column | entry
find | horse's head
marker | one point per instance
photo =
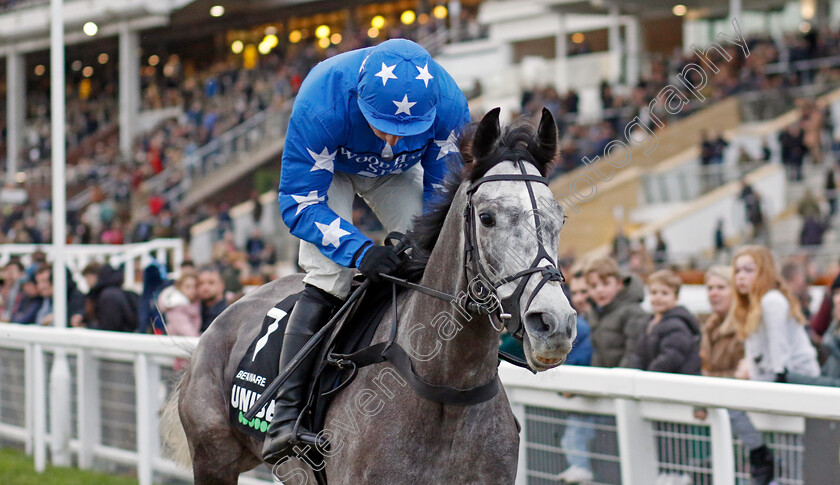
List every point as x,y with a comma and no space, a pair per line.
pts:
514,226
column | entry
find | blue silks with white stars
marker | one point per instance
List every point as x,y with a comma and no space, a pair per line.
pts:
328,132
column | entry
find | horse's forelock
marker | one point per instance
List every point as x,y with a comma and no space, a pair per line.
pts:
518,141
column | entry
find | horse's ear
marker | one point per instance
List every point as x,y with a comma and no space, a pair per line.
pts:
487,134
547,136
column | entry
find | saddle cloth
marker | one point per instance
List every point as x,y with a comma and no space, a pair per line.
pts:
260,364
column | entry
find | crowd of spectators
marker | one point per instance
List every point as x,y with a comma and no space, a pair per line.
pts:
759,328
737,75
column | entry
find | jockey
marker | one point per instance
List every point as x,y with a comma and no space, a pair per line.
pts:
379,122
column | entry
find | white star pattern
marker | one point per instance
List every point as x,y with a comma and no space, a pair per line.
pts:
424,74
386,73
404,106
438,187
332,232
450,145
323,161
305,201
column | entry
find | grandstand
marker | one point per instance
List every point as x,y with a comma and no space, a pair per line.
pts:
725,115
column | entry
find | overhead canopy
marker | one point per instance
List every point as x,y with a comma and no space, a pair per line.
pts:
658,8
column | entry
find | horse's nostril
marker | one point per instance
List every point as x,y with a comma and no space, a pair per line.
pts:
538,323
569,330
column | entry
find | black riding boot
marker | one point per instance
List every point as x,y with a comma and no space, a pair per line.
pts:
761,465
311,312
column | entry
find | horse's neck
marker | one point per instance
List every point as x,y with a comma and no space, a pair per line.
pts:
467,345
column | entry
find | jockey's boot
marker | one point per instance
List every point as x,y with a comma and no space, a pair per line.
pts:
311,312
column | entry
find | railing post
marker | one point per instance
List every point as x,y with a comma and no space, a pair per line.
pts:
29,398
636,445
177,255
146,378
59,414
89,418
723,460
39,410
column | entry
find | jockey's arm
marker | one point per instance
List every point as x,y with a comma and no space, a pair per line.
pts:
453,115
306,175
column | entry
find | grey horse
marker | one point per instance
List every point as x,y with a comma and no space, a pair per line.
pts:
380,431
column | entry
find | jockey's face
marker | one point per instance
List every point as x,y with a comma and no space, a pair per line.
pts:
389,139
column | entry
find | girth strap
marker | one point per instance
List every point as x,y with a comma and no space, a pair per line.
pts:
401,361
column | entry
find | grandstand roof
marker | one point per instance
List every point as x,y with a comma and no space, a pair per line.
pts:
705,8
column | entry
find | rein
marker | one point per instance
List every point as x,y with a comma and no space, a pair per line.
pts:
507,308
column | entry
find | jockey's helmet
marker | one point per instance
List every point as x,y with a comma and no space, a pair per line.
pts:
397,88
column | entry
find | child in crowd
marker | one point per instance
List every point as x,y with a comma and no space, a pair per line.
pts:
670,341
579,428
616,317
181,307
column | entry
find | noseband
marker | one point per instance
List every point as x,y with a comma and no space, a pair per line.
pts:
509,307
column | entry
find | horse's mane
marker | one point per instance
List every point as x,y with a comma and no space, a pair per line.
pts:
518,141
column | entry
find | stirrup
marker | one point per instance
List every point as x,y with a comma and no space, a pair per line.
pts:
307,437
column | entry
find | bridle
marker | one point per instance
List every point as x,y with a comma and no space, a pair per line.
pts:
474,300
509,307
506,309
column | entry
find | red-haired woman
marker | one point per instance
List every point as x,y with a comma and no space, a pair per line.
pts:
767,317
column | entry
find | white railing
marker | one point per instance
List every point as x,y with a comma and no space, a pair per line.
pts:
645,426
133,257
642,421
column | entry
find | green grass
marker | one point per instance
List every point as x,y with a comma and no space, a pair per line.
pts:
18,469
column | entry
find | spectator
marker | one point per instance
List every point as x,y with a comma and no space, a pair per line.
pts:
831,192
671,340
112,306
720,352
579,428
211,292
720,240
181,307
154,280
10,292
822,320
720,349
831,342
808,206
769,320
793,151
793,274
30,303
616,318
660,253
75,300
812,232
621,246
254,248
91,273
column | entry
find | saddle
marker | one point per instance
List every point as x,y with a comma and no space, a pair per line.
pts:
260,364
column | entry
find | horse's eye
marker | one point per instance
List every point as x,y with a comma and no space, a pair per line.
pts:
487,219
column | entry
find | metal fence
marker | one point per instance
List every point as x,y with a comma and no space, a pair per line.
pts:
133,258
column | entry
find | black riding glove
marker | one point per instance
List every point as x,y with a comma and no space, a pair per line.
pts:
379,259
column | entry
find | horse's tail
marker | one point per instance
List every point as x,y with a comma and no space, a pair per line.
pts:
170,428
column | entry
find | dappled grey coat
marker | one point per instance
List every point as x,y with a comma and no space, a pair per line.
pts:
672,345
616,326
